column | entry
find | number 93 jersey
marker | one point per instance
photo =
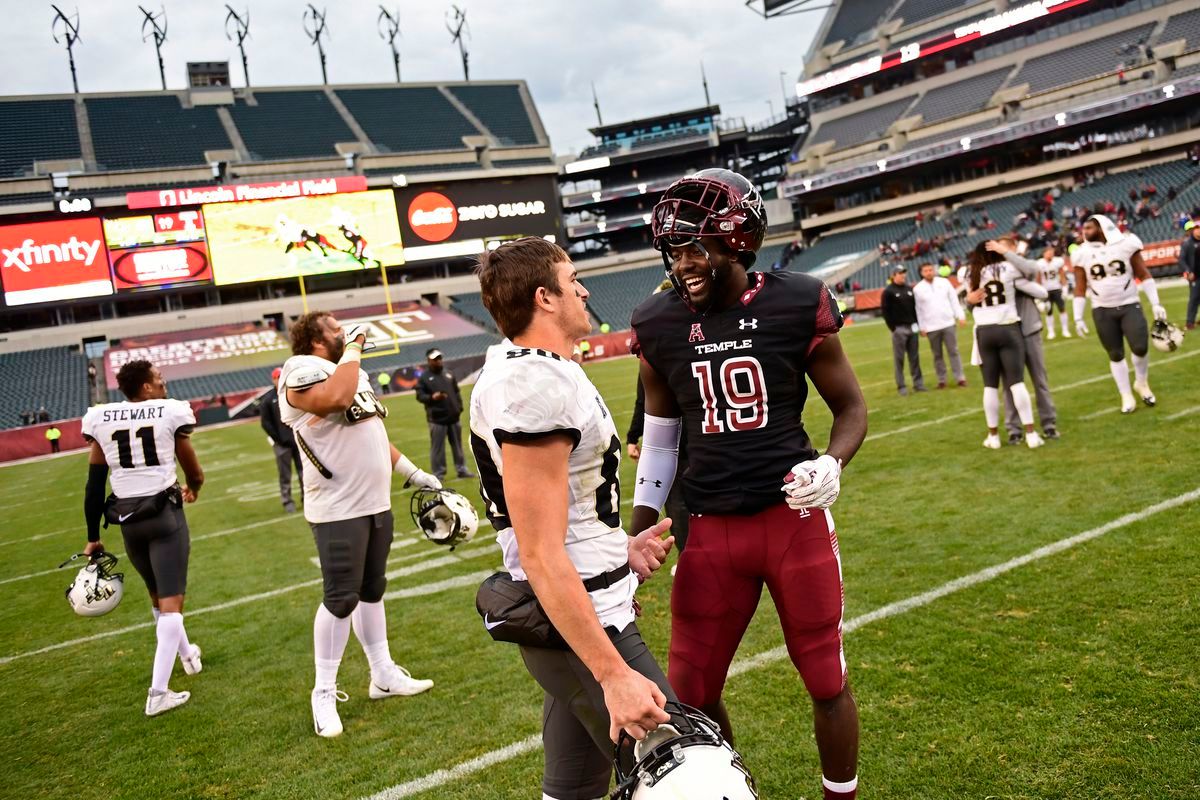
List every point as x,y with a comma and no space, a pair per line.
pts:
1109,270
138,440
738,376
999,305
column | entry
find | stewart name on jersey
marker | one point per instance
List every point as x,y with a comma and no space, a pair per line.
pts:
138,440
738,376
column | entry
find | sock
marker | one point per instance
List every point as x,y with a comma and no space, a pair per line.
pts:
330,635
169,627
991,407
155,612
840,791
1021,402
1120,373
1064,324
370,627
1141,367
185,647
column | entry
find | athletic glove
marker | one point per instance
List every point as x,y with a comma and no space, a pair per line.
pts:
1160,313
813,484
356,329
1081,327
414,475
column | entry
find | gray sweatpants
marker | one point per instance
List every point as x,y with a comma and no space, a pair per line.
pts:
948,338
578,751
437,448
284,458
1035,362
905,341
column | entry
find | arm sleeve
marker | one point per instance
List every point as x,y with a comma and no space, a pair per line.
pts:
656,467
1026,286
952,299
93,499
1027,268
637,422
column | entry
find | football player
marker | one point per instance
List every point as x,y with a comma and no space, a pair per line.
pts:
548,457
1054,278
327,399
1107,263
140,439
726,355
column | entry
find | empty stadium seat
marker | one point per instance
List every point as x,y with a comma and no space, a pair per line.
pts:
861,127
912,11
960,97
36,130
614,296
152,131
854,18
1077,63
54,377
290,125
500,109
471,307
1183,26
408,118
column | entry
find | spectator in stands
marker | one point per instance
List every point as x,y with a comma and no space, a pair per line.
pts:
899,309
938,311
28,417
1189,259
53,434
43,415
283,442
91,376
437,390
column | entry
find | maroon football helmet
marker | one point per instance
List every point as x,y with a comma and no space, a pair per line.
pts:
712,203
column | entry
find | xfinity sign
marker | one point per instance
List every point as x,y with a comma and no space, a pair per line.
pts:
30,253
43,262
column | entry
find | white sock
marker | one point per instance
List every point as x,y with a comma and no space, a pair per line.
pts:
840,788
1021,402
169,629
155,612
330,635
1064,324
1120,373
1141,367
991,407
370,626
185,647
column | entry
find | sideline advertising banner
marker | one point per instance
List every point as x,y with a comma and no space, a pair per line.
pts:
157,251
204,351
42,262
243,192
463,218
278,239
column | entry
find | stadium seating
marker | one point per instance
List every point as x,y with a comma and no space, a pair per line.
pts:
500,109
290,125
1183,26
861,127
36,130
471,307
1079,62
960,97
861,240
142,132
614,296
856,18
54,377
912,11
387,115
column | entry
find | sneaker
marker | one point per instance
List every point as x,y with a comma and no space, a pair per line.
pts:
1015,438
162,702
963,382
1050,334
992,442
191,664
1050,433
920,389
903,391
1143,389
1033,440
941,385
467,474
1066,334
397,682
289,508
1128,404
326,721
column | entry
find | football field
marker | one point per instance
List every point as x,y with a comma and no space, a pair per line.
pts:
1019,624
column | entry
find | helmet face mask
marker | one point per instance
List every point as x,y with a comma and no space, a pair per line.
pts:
96,589
711,204
444,516
1165,336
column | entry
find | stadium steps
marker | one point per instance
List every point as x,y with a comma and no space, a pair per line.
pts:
54,377
151,131
387,116
36,130
286,125
501,109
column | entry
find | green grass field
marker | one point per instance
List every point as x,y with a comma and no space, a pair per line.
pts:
1069,674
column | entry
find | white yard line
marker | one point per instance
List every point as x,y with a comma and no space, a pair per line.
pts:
1103,412
442,777
1183,413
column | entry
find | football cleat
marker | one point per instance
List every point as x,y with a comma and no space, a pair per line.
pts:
96,589
397,682
162,702
191,664
326,721
992,442
1165,336
1033,440
1050,334
1143,389
1128,404
444,516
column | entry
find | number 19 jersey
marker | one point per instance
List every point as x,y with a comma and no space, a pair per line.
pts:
138,440
738,376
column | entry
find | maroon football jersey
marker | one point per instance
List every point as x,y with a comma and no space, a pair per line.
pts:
739,377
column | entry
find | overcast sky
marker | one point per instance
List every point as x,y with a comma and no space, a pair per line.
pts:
644,55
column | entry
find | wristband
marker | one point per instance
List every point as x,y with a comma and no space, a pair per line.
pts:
1151,290
404,466
1078,304
353,353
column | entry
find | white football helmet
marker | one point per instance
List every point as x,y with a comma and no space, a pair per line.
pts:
444,516
684,759
1165,336
96,590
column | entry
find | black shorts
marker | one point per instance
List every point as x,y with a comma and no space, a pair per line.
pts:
1002,350
1115,326
578,752
158,548
353,555
1056,299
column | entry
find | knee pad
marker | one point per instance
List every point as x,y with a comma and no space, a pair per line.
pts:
341,605
372,590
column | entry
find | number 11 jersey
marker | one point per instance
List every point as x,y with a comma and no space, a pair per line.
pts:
738,376
138,440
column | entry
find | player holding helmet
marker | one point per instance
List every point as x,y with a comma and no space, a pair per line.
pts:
726,355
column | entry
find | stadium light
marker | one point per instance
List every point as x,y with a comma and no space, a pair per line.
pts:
399,181
1169,90
882,164
965,142
1061,118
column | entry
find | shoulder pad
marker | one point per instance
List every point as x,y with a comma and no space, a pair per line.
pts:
305,377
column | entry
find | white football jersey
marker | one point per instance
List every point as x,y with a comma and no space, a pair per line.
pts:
347,457
1109,270
138,440
999,305
1049,270
522,394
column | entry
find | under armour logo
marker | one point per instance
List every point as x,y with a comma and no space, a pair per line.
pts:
696,335
751,324
657,484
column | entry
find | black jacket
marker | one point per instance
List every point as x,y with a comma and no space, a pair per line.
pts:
899,306
1189,254
268,417
447,410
